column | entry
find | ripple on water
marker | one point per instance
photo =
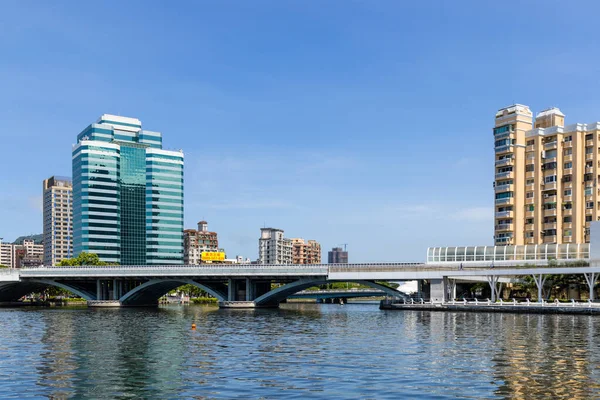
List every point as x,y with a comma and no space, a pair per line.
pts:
321,351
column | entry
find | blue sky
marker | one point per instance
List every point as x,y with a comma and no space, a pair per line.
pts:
358,122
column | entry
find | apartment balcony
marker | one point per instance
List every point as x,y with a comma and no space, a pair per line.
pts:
567,211
529,200
505,161
504,135
550,145
589,211
504,188
507,200
529,227
530,240
567,198
503,214
503,240
589,197
549,186
549,239
503,149
549,199
568,157
589,170
568,171
568,144
550,225
589,143
529,214
530,147
550,213
567,225
567,185
589,156
567,239
530,174
504,175
504,227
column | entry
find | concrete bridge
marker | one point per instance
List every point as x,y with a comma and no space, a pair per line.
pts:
268,285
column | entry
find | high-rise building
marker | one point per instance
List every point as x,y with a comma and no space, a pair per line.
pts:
273,248
337,256
127,194
58,219
546,177
306,252
197,241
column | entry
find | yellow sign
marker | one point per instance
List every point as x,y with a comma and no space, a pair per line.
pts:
213,256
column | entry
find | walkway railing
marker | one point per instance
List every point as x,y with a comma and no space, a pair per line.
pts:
573,303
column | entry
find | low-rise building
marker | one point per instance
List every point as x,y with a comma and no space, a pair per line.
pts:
26,254
306,252
6,254
195,242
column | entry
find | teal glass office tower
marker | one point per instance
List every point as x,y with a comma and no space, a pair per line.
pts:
127,194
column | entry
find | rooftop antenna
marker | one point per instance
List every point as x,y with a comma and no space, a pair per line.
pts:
345,246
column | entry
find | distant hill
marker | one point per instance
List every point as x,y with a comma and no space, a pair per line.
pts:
38,239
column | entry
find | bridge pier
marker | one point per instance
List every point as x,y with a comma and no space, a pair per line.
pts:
241,293
590,278
540,280
495,286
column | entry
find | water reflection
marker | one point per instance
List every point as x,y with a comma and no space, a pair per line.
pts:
322,351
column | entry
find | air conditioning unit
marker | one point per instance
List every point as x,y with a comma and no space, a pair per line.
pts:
543,154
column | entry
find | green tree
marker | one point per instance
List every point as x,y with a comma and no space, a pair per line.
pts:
3,266
82,259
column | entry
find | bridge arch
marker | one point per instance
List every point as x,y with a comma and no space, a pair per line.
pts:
281,293
149,292
14,291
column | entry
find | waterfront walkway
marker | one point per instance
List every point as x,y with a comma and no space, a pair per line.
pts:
512,306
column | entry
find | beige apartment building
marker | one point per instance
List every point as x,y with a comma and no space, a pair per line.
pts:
58,219
306,252
546,177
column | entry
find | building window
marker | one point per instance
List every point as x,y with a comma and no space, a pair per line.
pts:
568,138
567,232
528,234
589,150
568,151
530,142
568,205
589,204
568,165
529,195
529,168
550,179
530,181
588,191
567,219
568,192
588,218
567,178
529,221
589,136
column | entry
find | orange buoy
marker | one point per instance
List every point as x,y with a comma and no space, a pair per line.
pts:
194,327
